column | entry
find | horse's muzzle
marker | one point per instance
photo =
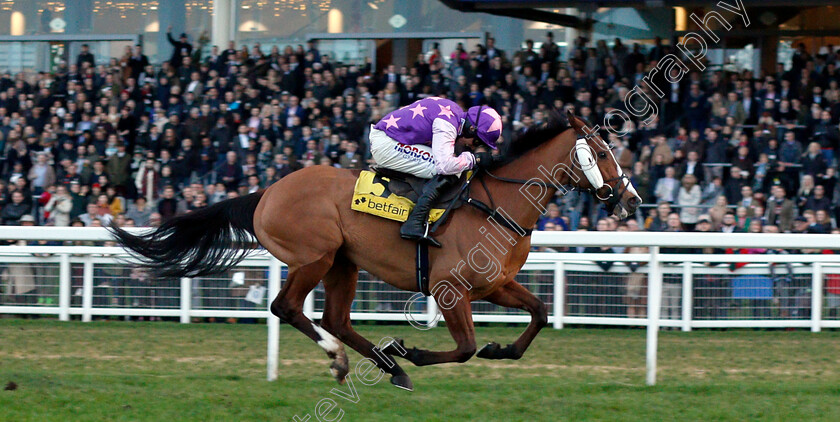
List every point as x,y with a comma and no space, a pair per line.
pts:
626,208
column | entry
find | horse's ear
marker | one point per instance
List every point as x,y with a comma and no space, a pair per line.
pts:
573,121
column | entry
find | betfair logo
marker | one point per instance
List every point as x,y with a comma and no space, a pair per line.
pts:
385,207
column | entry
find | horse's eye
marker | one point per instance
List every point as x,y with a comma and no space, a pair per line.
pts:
602,154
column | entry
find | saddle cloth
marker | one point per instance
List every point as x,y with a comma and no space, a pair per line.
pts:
391,194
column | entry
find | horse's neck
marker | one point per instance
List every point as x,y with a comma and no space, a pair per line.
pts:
535,164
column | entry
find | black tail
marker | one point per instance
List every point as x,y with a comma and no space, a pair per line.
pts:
207,241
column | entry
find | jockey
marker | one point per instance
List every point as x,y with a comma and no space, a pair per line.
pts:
420,139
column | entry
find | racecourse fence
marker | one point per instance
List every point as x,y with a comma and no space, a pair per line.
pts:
649,289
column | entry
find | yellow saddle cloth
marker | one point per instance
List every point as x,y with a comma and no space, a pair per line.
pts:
372,196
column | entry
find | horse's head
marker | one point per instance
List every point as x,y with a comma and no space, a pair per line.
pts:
602,175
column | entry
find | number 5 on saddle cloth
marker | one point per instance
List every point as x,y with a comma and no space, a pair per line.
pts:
390,194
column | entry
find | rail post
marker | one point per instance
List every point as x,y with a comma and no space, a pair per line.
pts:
559,294
64,287
654,308
431,312
687,296
186,299
87,289
273,322
816,297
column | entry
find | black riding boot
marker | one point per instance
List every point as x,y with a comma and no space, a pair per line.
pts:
415,227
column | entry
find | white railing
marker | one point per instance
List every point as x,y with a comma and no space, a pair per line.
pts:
91,281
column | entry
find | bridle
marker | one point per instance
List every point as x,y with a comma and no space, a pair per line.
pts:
617,185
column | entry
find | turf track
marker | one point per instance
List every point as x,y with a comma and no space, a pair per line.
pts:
162,371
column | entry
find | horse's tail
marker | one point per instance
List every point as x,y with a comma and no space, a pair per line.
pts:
206,241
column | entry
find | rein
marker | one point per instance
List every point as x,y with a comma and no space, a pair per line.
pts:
490,210
610,200
622,182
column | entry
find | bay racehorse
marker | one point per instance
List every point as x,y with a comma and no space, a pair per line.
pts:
305,221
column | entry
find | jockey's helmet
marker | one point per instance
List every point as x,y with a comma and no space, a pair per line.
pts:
485,124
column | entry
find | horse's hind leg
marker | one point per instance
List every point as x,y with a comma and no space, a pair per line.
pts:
460,324
340,289
514,295
288,306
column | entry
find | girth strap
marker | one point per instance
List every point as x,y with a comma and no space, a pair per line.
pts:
422,261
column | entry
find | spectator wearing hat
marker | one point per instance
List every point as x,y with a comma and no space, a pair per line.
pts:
181,49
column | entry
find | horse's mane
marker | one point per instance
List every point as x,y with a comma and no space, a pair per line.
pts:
533,137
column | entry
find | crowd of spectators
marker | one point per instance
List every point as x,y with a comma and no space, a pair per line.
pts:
137,143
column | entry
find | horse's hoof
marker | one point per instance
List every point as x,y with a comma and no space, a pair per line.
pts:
402,381
395,347
490,351
494,351
340,367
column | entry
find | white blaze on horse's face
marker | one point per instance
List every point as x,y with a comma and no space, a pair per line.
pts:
588,164
593,174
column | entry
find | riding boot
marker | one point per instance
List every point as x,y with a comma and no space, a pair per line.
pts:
414,227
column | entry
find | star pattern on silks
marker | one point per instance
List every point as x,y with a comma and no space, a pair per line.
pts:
445,111
436,98
391,122
497,120
418,110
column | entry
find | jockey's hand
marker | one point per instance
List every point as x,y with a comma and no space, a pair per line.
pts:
484,159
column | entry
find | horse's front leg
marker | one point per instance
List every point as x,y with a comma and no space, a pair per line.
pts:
459,321
514,295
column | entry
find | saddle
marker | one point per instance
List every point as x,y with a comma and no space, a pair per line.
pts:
392,194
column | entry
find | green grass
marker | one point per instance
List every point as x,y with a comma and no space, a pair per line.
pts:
169,372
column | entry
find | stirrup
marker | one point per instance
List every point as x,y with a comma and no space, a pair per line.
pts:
430,240
425,238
